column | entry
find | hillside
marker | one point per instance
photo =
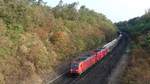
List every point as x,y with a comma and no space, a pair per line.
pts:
35,38
138,71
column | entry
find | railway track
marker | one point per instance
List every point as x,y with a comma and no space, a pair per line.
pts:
100,72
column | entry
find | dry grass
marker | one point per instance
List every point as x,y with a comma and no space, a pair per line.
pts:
138,71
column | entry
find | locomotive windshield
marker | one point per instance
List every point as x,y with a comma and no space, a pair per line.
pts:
74,65
98,49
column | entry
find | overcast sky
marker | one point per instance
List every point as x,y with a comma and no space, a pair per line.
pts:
115,10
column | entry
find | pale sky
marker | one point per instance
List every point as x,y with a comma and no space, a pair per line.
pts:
115,10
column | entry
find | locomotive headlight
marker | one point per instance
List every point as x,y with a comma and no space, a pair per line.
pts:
71,70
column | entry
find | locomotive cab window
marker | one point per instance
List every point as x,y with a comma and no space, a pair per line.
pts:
75,65
98,49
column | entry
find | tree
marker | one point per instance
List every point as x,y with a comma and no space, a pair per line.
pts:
67,11
60,4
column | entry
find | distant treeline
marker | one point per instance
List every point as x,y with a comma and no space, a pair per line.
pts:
137,24
139,28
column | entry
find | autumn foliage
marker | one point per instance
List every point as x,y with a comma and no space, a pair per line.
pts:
36,38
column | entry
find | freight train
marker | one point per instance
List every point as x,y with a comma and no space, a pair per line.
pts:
88,59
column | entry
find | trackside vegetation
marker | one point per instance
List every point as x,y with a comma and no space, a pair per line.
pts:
36,38
138,71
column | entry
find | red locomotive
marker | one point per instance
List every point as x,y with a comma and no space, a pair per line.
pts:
86,60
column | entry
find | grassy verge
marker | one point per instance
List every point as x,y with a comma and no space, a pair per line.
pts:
137,70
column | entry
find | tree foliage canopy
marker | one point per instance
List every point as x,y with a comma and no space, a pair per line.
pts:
35,38
138,27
